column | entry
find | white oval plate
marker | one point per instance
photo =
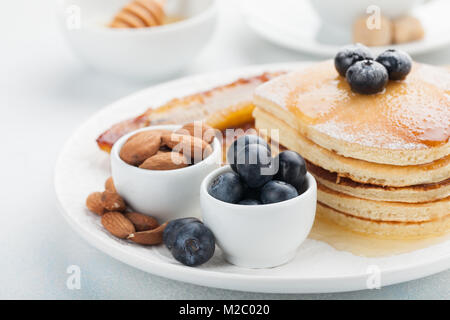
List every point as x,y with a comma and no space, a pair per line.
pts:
83,168
295,25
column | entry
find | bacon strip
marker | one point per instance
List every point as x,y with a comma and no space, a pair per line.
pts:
225,106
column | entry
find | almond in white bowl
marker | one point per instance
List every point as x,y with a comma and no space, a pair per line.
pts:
163,194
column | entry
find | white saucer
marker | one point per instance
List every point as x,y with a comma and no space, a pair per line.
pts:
82,168
295,25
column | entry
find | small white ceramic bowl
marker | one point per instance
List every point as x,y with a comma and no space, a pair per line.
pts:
165,195
145,53
259,236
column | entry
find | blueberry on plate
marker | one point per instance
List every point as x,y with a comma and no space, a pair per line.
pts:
227,187
194,244
254,165
172,228
291,168
367,77
397,63
277,191
349,55
250,202
239,144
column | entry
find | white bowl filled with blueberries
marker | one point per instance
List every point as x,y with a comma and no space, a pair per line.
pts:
260,208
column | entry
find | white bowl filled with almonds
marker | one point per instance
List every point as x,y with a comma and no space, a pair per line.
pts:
158,170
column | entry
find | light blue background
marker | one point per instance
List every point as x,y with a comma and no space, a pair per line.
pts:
45,93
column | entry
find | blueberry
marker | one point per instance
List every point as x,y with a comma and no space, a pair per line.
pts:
172,228
349,55
254,165
367,77
277,191
252,193
239,144
227,187
397,63
291,168
250,202
194,244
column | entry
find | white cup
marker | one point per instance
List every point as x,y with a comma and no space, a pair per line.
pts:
259,236
163,194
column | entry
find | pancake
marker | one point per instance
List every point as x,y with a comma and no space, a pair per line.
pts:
383,210
406,125
410,194
385,230
357,170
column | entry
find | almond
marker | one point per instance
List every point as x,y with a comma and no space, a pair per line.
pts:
94,203
142,222
109,185
162,131
407,29
150,237
198,130
380,36
140,147
165,161
117,224
112,201
164,149
191,147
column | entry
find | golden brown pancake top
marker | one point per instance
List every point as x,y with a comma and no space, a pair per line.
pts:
409,114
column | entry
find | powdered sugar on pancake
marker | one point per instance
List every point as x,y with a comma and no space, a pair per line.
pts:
342,132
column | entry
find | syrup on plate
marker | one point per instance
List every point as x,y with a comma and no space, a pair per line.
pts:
345,240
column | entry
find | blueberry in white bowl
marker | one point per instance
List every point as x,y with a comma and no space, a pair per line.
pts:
259,236
277,191
250,202
367,77
349,55
227,187
397,63
252,193
241,143
291,168
254,165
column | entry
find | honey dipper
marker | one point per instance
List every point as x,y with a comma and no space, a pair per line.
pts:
140,14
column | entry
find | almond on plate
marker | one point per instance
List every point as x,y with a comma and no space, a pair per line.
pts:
376,35
117,224
165,161
141,146
112,201
141,221
408,29
150,237
109,185
94,203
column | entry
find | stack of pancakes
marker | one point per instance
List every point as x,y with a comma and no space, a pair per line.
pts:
382,162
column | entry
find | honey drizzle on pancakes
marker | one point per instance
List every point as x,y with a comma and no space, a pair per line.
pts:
409,114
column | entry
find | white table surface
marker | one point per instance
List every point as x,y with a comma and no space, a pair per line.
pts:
45,94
